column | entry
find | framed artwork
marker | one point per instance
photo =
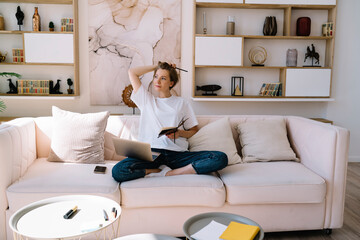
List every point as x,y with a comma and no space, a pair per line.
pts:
129,33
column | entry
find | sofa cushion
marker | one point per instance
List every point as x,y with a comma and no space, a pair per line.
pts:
46,179
182,190
272,182
216,136
265,140
77,137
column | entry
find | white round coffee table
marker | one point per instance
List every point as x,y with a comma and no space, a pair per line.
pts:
147,236
45,219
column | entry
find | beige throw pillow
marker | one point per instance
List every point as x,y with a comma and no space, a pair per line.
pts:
77,137
265,140
216,136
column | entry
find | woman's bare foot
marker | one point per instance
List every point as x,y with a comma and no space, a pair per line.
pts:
180,171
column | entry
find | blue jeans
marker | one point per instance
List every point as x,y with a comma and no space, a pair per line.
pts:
203,162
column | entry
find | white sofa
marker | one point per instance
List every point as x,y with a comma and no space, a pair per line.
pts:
280,196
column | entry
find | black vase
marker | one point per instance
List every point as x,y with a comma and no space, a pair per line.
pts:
270,26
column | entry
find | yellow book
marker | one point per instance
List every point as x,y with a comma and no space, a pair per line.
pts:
239,231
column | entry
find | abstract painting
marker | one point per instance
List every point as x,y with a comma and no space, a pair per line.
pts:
129,33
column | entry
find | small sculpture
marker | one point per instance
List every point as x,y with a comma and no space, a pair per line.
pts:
36,21
51,26
209,89
2,57
237,86
257,55
56,88
20,17
12,87
312,54
70,83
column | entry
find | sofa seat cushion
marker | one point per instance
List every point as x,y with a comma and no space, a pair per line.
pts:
272,182
182,190
46,179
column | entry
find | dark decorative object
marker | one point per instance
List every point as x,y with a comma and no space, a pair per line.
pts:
2,57
36,21
126,96
270,26
20,17
12,87
291,57
55,89
303,26
209,89
51,26
237,86
70,83
312,54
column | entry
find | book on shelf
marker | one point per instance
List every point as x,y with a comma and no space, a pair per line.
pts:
271,89
67,25
36,87
239,231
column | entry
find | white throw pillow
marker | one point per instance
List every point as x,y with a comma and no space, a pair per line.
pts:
77,137
265,140
216,136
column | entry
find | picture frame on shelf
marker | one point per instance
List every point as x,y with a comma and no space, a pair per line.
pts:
237,86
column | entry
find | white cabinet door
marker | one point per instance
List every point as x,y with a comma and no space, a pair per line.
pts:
308,82
294,2
218,51
48,48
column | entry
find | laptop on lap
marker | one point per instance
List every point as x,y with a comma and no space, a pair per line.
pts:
134,149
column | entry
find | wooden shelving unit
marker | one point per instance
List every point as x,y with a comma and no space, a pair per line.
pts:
275,70
30,70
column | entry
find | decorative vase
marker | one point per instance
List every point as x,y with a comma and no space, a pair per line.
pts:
291,58
2,23
303,26
230,25
36,21
270,26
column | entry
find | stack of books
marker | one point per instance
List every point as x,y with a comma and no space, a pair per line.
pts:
271,89
36,87
18,55
327,29
67,25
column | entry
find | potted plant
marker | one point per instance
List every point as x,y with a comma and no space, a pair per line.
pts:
70,83
9,74
51,26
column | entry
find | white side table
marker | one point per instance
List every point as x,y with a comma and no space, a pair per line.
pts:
45,219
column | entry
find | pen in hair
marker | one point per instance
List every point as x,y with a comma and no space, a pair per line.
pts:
181,69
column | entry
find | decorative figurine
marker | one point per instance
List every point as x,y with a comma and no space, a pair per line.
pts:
70,83
51,26
56,88
2,57
257,55
126,96
20,17
209,89
36,21
237,86
12,87
270,26
312,54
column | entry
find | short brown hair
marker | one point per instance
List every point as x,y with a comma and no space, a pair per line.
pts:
172,72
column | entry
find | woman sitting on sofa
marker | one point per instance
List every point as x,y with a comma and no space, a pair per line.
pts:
165,111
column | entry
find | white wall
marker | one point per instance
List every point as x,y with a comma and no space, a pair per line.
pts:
343,111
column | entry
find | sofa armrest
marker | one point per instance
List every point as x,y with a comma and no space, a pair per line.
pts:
17,152
323,148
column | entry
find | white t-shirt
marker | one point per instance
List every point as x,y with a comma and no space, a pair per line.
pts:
157,113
